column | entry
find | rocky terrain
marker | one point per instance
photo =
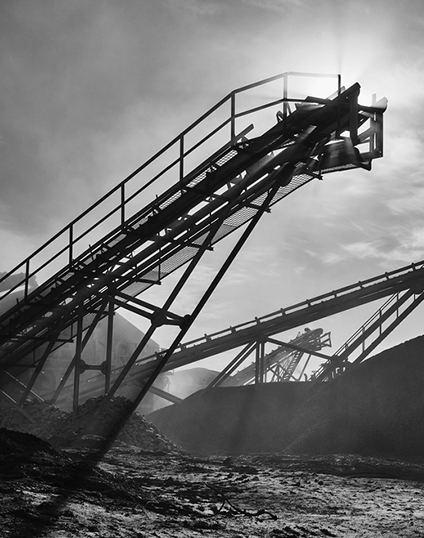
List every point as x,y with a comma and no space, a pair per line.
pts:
127,493
88,428
346,459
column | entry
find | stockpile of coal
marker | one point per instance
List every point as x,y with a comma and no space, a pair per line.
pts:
18,443
89,427
21,454
233,420
375,409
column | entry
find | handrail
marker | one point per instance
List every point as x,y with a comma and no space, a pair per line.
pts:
272,319
308,303
68,233
385,311
367,323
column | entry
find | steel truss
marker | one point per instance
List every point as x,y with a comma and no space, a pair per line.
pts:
402,289
276,366
232,188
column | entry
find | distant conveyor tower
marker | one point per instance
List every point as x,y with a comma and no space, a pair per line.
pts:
133,237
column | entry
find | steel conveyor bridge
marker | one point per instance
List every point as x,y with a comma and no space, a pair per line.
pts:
400,290
279,363
212,180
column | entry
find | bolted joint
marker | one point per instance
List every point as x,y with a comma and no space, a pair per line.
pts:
159,318
185,321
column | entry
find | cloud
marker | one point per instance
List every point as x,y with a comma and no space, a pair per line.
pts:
89,91
196,8
279,6
330,258
362,250
407,204
408,247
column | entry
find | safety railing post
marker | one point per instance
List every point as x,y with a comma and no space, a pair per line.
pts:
71,245
26,278
181,160
122,204
233,115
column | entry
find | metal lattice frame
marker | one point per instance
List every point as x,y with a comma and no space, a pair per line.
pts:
403,287
234,187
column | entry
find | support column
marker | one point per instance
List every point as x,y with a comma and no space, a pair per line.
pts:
77,366
260,362
109,345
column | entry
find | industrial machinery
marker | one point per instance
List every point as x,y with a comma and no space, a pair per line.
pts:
402,291
217,176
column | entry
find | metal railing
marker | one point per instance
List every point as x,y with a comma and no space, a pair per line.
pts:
122,201
274,322
318,300
368,336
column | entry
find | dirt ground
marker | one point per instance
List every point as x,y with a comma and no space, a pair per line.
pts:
64,493
339,464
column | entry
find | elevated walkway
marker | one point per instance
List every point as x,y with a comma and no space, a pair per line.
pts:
125,244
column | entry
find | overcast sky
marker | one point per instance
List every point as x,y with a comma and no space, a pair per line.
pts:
90,89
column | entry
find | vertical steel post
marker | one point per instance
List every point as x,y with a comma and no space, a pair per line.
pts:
71,365
71,245
262,359
77,367
259,363
26,278
257,372
181,163
109,344
233,116
122,204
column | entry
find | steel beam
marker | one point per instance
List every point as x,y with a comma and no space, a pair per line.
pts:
71,365
77,365
178,227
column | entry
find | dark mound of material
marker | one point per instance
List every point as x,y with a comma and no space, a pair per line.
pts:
88,427
22,453
19,444
375,409
233,420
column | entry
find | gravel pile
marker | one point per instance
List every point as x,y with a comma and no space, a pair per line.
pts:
60,429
